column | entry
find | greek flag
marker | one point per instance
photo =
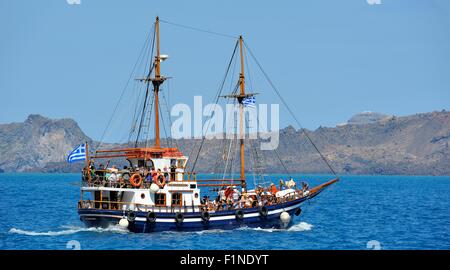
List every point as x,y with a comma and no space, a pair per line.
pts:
249,101
77,154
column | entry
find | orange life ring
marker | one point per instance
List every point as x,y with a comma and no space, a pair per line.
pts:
161,183
136,180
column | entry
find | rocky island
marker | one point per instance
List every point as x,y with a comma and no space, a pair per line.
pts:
369,143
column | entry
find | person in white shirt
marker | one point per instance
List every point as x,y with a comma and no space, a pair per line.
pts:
222,195
235,195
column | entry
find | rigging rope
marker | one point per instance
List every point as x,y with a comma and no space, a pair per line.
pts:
198,29
149,122
152,66
124,89
172,141
216,101
289,109
164,128
142,115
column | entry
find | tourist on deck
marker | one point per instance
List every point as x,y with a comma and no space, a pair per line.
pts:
235,194
230,204
228,192
222,194
211,205
257,191
114,169
223,204
166,172
153,173
203,200
236,203
291,183
281,184
273,189
158,174
242,201
148,178
248,202
113,178
216,203
264,200
304,186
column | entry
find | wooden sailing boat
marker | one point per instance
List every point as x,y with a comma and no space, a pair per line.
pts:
144,197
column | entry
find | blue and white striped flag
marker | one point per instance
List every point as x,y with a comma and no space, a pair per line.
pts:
77,154
249,101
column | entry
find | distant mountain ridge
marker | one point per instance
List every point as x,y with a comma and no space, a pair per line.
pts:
367,117
368,143
31,145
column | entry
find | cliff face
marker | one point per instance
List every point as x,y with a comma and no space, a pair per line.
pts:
417,144
31,145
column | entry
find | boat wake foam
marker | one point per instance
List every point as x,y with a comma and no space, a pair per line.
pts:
300,227
69,230
214,231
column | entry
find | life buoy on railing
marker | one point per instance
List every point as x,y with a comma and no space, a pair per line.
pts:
136,180
160,180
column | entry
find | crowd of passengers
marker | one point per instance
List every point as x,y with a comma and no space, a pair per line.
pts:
227,198
231,198
112,176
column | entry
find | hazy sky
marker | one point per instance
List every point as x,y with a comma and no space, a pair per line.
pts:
330,59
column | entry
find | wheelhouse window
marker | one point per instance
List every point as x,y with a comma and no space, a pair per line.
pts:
160,199
177,199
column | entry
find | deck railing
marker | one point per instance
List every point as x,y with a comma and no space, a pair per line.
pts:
99,178
125,206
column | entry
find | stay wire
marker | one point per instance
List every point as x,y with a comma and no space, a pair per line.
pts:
198,29
290,111
216,101
124,90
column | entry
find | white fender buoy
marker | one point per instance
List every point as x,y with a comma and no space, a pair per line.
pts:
285,217
123,222
154,188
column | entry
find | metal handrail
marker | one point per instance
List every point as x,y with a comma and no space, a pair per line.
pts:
92,204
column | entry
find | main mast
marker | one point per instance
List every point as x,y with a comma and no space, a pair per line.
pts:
241,113
157,81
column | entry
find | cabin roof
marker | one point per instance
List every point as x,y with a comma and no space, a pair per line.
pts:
142,152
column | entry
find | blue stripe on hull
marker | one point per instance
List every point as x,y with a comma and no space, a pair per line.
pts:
165,221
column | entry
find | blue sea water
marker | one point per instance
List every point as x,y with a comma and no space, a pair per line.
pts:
38,211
